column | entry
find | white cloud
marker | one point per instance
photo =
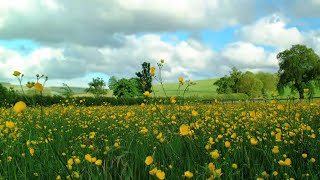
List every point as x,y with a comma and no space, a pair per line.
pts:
305,8
183,59
272,31
97,22
312,39
247,56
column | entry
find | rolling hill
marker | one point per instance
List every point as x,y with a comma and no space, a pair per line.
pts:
202,89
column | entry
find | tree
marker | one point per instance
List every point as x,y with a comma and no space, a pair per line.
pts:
235,75
269,81
112,81
250,84
97,87
145,78
127,88
67,91
229,84
298,67
225,85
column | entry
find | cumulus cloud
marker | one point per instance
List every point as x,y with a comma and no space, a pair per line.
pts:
189,59
312,39
183,59
272,31
247,56
305,8
100,23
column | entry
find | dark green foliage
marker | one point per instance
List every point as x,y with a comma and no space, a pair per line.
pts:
145,78
112,82
235,75
250,85
127,88
229,84
3,95
298,67
225,85
97,87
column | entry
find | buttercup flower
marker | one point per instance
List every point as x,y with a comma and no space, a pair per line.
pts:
147,93
38,87
184,130
188,174
16,73
19,107
149,160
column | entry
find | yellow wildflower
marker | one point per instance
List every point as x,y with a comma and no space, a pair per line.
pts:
10,124
160,175
215,154
149,160
180,79
19,107
184,130
253,141
188,174
16,73
38,86
227,144
98,162
147,93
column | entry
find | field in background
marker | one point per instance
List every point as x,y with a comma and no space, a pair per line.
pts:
203,89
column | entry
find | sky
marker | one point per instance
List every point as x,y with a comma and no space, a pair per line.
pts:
74,41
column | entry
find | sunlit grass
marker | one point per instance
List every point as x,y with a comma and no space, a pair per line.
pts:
241,141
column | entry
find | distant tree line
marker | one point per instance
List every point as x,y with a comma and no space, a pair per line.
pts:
249,83
299,69
132,87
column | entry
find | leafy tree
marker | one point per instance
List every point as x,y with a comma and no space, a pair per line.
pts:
145,78
127,88
229,84
235,76
250,84
97,87
269,81
225,85
298,67
112,81
67,91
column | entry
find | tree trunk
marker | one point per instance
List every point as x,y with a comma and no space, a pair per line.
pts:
301,96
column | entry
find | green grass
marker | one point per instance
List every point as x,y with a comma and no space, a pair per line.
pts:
202,88
113,135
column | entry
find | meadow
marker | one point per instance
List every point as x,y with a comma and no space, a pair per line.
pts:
202,89
272,140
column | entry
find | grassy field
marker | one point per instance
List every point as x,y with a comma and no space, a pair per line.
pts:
155,141
203,89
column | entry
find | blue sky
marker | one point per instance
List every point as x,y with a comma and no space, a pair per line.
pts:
199,39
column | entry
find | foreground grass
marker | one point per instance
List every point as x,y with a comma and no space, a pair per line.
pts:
223,141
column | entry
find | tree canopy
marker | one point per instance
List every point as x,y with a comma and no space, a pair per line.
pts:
111,83
250,85
299,67
127,88
97,87
145,78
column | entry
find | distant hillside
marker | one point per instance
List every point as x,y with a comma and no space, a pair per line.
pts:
201,88
47,91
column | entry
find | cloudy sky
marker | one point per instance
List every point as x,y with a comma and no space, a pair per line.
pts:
72,41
